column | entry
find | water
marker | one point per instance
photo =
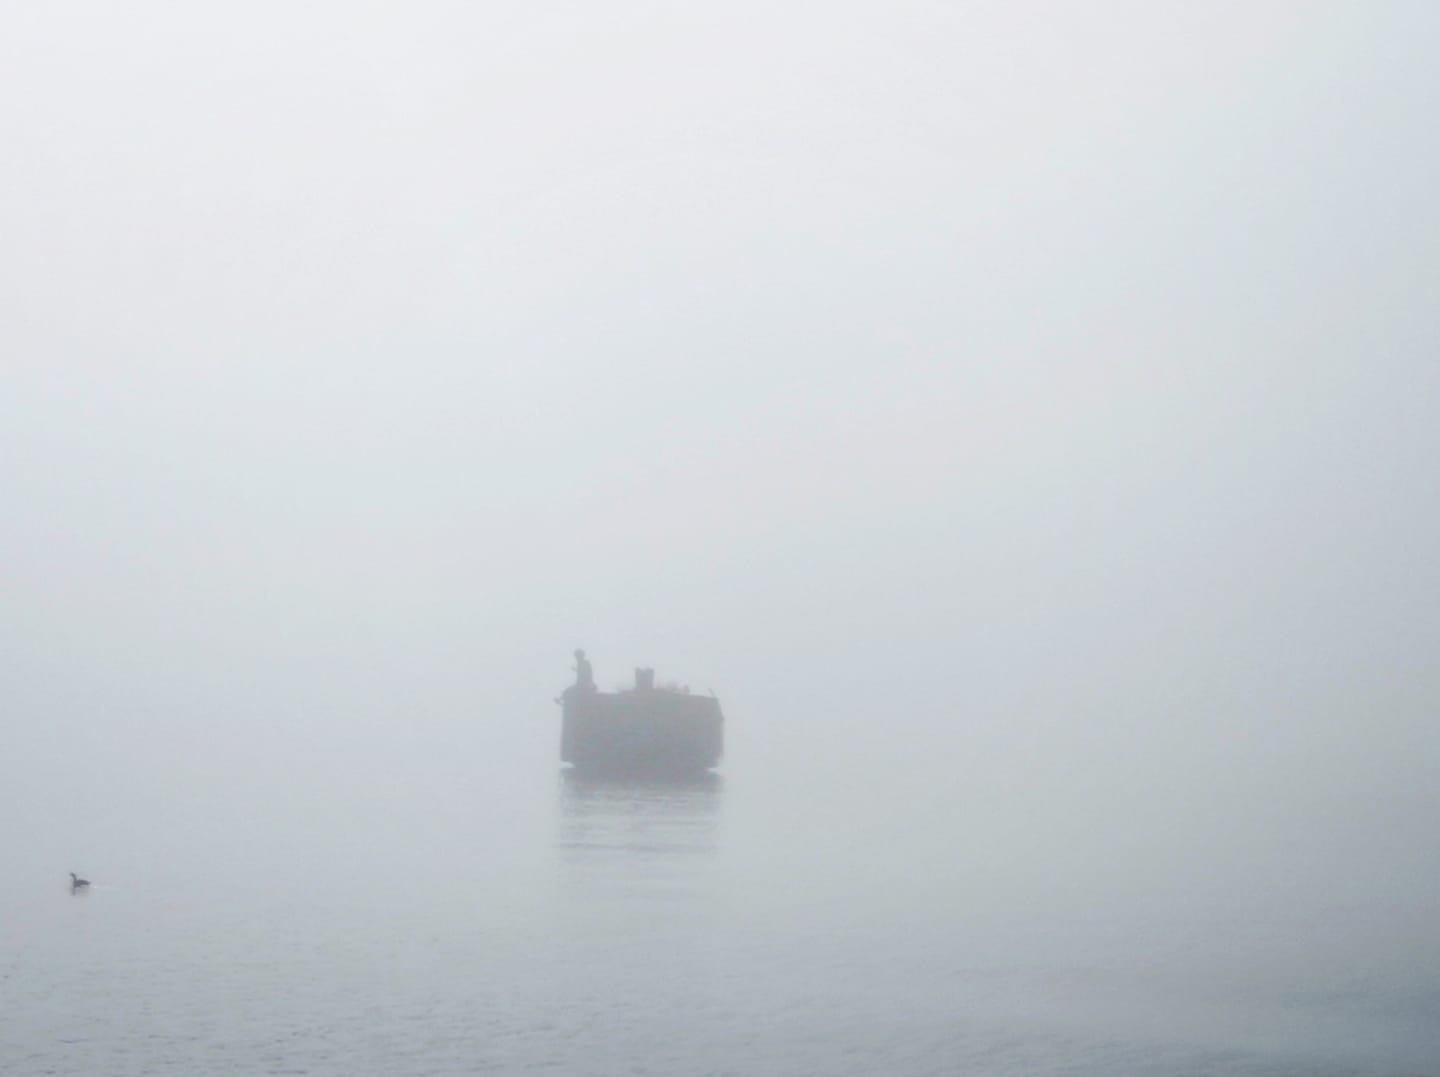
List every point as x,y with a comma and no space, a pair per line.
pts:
419,913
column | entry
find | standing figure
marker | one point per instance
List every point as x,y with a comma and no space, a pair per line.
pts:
584,675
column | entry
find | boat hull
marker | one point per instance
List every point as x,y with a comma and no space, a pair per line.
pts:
641,733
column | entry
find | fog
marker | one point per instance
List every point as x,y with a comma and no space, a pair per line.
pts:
1021,417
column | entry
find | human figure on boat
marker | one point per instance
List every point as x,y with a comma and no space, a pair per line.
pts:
584,675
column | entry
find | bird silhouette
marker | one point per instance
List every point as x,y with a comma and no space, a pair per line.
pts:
77,883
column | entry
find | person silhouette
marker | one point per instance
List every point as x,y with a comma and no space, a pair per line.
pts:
584,675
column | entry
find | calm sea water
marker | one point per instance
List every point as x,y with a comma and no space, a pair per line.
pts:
418,915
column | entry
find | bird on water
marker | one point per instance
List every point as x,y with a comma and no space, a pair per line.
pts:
77,883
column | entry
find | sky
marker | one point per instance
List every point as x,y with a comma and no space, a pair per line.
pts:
1036,398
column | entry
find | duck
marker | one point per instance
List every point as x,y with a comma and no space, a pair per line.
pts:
77,883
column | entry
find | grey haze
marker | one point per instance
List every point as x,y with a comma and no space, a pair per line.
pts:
1023,416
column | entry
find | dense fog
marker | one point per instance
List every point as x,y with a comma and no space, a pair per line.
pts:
1022,417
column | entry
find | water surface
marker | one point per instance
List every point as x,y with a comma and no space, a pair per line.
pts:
424,913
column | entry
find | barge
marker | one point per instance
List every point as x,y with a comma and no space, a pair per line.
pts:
647,730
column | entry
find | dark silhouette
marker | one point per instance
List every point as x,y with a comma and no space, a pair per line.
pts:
652,731
77,883
584,675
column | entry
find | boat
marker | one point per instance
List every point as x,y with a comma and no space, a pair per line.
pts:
648,730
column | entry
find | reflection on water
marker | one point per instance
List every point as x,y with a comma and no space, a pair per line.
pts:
644,817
